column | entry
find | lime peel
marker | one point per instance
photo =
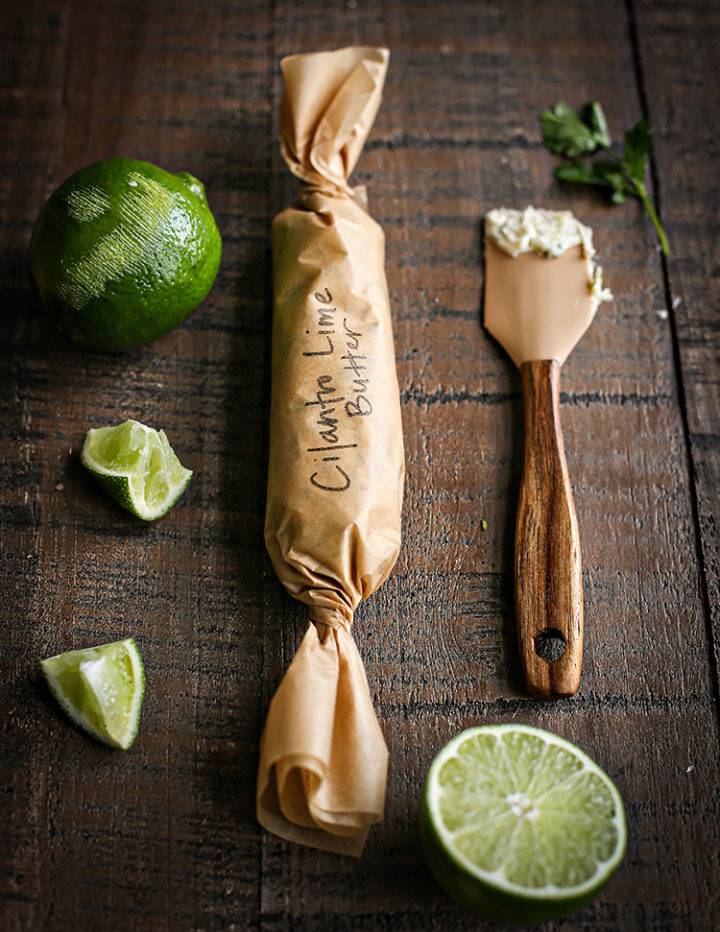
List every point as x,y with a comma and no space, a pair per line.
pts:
137,466
101,689
122,252
495,786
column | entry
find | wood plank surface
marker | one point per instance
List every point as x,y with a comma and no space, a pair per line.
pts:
164,837
677,50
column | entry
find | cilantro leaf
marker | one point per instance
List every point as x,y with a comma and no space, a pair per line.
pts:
573,135
593,116
612,176
579,173
565,133
600,173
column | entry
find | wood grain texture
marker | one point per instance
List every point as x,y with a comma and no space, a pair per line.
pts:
675,49
548,581
164,837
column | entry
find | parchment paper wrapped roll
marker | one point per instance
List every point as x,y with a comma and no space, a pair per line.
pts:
336,465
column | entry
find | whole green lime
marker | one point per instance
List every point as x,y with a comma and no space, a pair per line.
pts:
122,252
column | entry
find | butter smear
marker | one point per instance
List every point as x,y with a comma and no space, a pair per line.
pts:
548,233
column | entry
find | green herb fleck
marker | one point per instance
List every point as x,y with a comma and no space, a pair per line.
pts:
483,524
573,135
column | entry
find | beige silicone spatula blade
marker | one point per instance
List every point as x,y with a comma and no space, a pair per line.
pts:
538,308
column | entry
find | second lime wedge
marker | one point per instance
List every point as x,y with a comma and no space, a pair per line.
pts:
137,466
101,689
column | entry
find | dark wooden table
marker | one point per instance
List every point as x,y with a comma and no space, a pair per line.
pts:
164,837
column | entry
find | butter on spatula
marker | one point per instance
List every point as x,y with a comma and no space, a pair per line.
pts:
542,289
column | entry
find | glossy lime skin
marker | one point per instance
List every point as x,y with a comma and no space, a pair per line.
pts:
122,252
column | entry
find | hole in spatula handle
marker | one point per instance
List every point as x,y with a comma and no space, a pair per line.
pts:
550,645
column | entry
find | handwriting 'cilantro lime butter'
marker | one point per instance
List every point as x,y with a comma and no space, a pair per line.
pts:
548,233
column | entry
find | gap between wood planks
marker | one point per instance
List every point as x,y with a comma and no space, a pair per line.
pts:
677,362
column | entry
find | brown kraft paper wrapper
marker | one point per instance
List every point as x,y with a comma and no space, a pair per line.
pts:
336,465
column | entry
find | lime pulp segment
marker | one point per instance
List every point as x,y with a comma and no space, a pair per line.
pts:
520,813
101,689
137,466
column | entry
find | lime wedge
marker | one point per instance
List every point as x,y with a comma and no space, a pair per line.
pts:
101,689
137,466
519,825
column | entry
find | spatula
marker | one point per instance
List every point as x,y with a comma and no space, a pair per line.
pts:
538,308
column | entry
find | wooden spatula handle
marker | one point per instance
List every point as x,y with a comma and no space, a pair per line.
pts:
548,584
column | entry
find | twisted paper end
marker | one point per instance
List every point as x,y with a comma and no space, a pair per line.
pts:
323,759
330,103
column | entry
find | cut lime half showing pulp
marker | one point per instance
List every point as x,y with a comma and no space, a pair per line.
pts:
101,689
519,825
137,466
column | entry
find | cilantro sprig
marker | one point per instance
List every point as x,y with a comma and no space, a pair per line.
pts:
574,135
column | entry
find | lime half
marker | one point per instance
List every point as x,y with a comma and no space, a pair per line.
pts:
519,825
101,689
137,466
